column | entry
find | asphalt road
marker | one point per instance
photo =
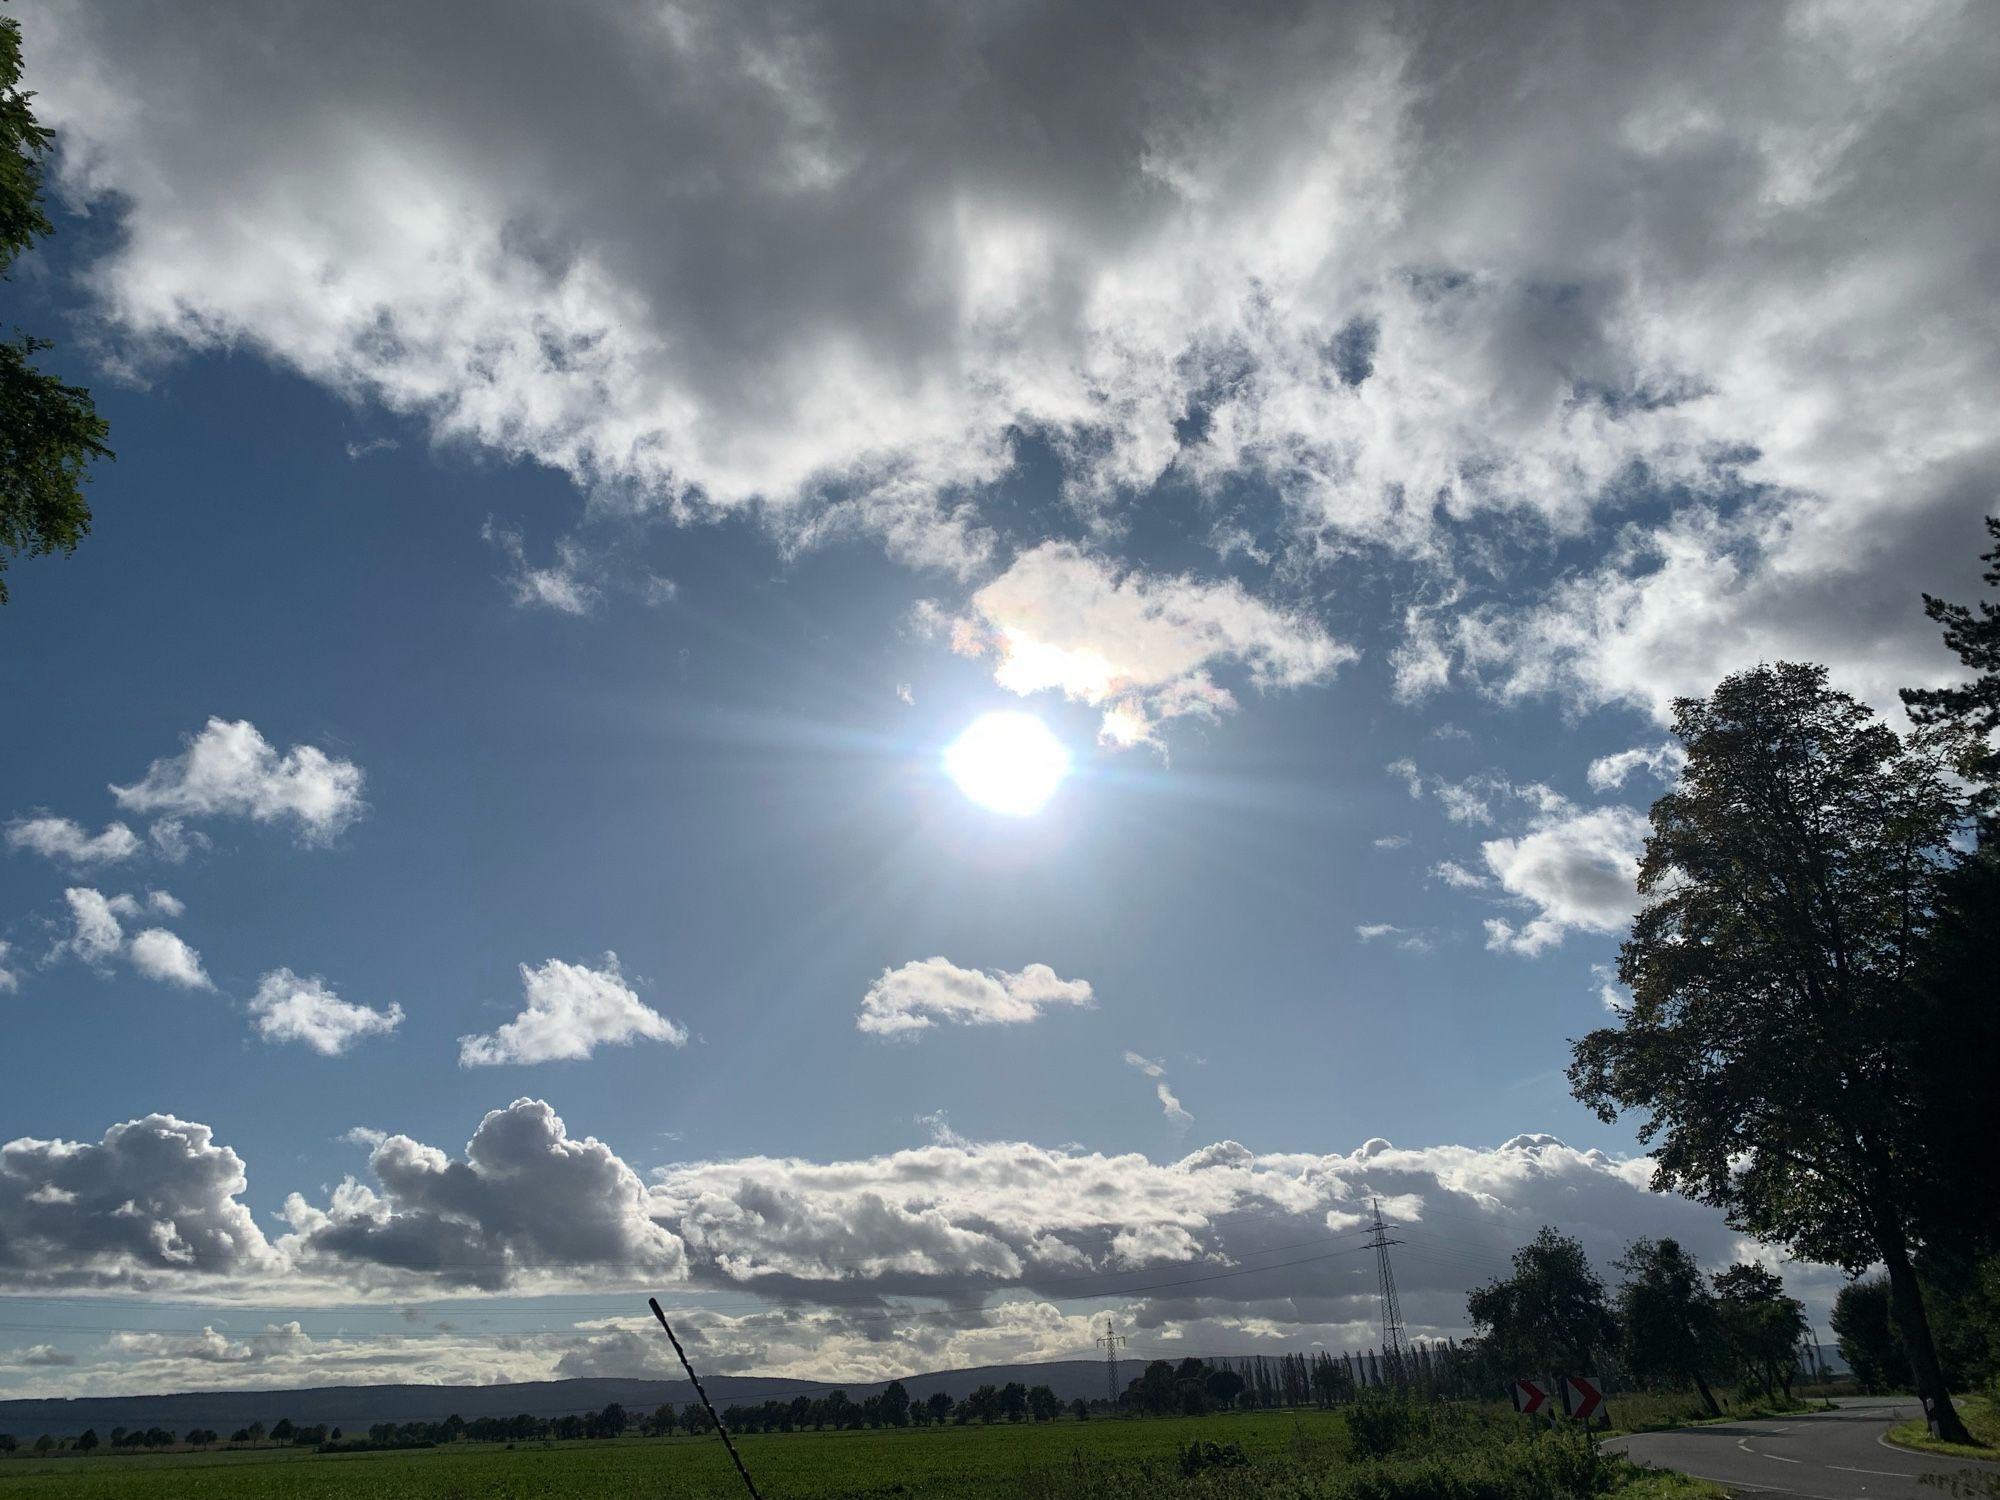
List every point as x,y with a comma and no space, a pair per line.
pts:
1828,1456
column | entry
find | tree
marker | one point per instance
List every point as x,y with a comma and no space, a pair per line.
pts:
1866,1334
1668,1317
49,432
1013,1400
896,1405
87,1439
44,1443
1550,1316
7,1442
940,1407
1080,1409
1223,1386
1792,880
1043,1404
1972,709
1760,1326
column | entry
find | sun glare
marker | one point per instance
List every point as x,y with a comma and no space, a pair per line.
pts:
1008,762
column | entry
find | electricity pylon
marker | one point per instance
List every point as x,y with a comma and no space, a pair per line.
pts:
1392,1314
1111,1339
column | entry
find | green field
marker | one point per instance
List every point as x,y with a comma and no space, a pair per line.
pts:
1292,1453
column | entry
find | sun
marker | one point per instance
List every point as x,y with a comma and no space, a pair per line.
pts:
1007,762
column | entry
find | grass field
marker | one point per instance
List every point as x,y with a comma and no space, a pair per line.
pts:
1981,1418
1304,1454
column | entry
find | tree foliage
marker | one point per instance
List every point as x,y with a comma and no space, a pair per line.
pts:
1972,709
1668,1317
1794,879
1759,1325
50,432
1550,1316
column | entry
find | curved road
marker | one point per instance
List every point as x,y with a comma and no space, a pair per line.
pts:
1835,1455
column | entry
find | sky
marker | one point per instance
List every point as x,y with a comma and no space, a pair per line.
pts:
483,840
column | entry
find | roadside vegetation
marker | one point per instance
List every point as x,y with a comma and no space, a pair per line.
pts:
1982,1417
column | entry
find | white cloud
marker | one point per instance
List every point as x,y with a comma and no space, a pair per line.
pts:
97,936
1662,762
174,841
288,1008
572,1010
1146,1065
1610,993
1413,942
569,585
1393,841
923,992
10,977
66,840
229,769
527,1202
1727,255
159,954
1143,647
1170,1106
1456,875
1578,868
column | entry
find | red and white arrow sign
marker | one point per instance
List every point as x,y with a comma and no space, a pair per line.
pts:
1581,1398
1529,1397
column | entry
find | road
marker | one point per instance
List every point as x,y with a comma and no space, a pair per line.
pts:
1836,1455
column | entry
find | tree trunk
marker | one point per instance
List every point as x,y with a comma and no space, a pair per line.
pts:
1906,1303
1707,1396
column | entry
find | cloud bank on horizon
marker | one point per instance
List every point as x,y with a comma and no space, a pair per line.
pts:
953,1249
1706,288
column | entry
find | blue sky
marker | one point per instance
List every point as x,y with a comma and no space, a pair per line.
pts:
596,582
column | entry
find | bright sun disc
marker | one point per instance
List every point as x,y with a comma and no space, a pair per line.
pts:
1010,763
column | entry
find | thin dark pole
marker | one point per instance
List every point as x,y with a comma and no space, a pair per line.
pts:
748,1483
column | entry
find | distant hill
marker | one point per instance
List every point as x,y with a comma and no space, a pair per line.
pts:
356,1407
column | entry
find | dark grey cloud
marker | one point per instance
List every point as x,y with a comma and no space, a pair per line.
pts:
156,1202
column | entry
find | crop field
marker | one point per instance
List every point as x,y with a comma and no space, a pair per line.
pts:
946,1463
1303,1454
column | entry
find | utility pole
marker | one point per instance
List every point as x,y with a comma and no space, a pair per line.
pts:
1392,1314
1111,1339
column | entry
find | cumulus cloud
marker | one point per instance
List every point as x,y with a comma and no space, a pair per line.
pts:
10,977
159,954
1142,647
1456,875
230,770
173,840
526,1201
1225,1247
97,936
287,1008
67,840
924,992
1579,869
572,1009
156,1202
1662,762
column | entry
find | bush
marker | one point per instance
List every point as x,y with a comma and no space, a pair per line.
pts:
1199,1456
1380,1425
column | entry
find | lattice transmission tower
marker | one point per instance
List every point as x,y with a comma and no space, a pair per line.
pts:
1111,1339
1392,1313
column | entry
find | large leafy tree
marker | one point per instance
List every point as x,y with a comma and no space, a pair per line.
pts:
49,431
1668,1317
1550,1317
1793,879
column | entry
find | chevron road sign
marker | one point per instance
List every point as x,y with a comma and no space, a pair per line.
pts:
1529,1397
1581,1398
